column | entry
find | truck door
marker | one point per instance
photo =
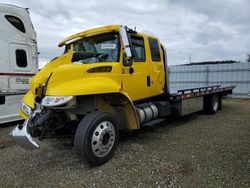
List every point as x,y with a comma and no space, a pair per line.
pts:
21,57
21,61
136,79
156,60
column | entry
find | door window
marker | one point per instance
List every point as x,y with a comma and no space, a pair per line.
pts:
138,50
21,58
154,49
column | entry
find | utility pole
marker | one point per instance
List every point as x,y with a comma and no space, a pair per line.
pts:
189,57
188,54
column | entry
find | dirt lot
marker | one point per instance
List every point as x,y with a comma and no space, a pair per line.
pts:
196,151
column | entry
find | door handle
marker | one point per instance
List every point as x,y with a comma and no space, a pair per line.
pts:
148,81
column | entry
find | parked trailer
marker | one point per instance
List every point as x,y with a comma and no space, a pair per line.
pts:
18,59
109,79
237,74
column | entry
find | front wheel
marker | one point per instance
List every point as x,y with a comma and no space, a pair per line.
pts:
96,137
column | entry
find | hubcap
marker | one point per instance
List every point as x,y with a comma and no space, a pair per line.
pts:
103,139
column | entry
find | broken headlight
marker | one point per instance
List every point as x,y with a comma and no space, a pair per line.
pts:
53,101
26,109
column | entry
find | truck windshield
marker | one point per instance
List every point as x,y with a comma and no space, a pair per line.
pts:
98,48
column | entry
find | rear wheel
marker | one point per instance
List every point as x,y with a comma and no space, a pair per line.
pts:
212,104
215,104
96,137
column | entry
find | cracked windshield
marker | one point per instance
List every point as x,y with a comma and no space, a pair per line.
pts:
99,48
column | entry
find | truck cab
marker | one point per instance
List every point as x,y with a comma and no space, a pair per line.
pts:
18,49
97,55
18,58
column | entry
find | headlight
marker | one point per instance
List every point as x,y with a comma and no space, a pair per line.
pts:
26,109
55,100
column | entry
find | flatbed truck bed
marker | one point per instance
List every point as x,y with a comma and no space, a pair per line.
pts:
185,92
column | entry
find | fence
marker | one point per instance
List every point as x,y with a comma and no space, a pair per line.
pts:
237,74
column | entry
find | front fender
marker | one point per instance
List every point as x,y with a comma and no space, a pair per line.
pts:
84,86
29,99
126,116
23,115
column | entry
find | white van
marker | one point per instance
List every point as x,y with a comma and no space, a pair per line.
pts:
18,58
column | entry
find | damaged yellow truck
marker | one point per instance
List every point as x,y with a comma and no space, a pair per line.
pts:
108,79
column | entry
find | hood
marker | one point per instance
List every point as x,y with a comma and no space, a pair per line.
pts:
71,71
78,79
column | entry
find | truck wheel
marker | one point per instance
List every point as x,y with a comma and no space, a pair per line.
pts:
213,104
220,103
96,137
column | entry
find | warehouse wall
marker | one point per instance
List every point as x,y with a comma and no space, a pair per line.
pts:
237,74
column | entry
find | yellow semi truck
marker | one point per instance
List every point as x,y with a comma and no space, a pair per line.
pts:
108,79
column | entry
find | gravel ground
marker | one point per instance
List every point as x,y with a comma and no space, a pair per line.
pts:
196,151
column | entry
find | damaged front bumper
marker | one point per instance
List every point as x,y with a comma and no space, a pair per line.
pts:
22,137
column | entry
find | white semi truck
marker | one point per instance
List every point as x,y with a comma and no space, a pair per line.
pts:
18,59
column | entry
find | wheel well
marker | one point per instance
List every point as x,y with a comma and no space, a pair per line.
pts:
207,102
116,103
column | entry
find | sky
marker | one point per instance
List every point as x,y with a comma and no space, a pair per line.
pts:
193,30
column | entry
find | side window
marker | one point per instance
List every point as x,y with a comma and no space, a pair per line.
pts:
16,22
138,50
21,58
154,49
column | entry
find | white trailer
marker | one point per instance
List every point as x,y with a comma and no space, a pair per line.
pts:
18,58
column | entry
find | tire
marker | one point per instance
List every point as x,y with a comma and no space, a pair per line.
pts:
212,104
96,137
220,103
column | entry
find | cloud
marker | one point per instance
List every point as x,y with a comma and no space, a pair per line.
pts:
203,30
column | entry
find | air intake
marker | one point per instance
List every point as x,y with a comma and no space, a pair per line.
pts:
100,69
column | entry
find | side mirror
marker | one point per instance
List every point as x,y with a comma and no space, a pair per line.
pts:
128,58
127,62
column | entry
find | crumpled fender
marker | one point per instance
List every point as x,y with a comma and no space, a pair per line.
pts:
29,99
41,77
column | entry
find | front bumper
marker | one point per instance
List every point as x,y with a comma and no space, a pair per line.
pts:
21,136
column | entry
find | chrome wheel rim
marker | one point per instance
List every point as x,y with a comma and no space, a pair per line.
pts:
103,139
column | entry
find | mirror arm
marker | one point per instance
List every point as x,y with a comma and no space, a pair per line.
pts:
125,43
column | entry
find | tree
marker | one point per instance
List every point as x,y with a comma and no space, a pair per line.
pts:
248,58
